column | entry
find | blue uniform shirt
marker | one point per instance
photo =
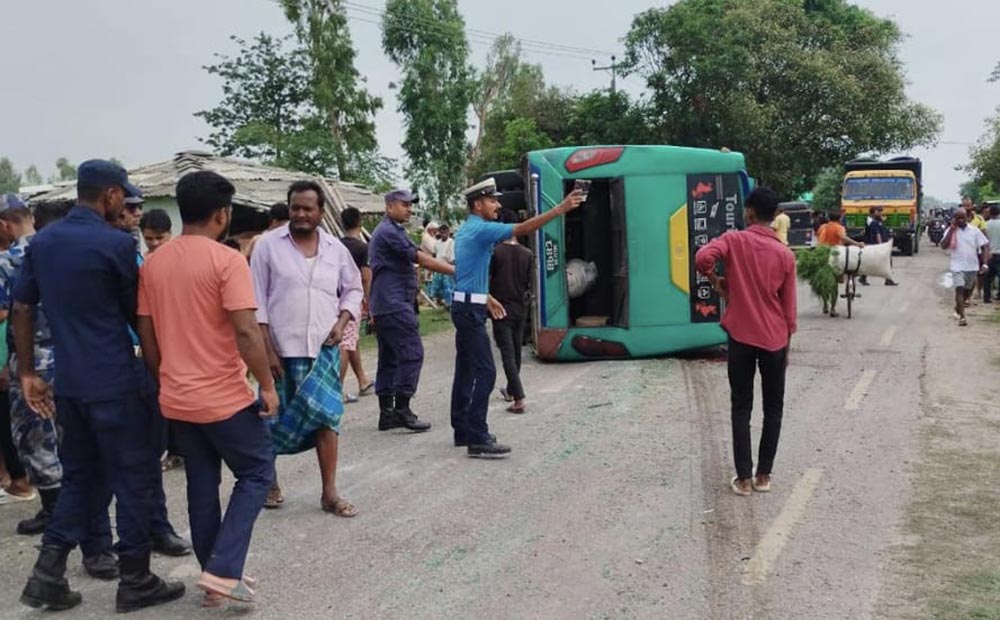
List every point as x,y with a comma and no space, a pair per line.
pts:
392,254
474,244
86,273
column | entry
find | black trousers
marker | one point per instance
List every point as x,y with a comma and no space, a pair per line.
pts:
994,271
744,361
509,336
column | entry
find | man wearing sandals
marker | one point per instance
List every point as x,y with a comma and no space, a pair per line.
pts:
199,333
759,288
308,288
970,253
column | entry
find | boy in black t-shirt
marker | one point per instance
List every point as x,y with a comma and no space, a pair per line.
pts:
349,354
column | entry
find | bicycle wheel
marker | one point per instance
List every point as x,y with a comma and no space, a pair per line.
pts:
850,294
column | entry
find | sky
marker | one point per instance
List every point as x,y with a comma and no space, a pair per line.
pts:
120,78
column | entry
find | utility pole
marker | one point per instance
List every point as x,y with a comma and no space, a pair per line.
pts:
613,68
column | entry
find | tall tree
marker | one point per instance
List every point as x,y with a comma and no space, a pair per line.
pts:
10,179
32,176
797,86
984,157
493,84
266,111
827,191
337,92
426,40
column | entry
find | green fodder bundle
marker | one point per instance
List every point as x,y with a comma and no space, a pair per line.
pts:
813,266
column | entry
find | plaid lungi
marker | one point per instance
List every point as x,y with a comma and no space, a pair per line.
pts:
311,399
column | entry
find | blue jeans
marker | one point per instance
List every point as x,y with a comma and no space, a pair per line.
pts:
243,441
106,449
475,373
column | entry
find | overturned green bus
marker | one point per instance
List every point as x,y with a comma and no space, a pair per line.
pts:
615,278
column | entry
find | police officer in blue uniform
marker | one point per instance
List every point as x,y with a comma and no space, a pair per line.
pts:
475,371
86,274
392,303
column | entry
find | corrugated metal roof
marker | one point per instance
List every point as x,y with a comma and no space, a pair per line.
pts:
257,186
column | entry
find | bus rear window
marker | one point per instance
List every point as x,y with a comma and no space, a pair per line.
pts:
878,188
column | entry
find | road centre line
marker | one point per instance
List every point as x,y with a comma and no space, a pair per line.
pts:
888,336
774,539
860,391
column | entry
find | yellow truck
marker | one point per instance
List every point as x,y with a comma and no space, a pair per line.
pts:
895,187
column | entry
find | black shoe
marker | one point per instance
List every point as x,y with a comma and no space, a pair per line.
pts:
488,450
47,586
35,525
171,544
139,588
388,419
103,566
464,443
891,283
409,420
863,281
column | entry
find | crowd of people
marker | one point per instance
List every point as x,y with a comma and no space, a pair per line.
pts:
203,352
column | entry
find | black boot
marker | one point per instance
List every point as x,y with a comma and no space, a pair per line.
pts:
170,544
37,524
139,588
407,418
47,586
103,565
387,418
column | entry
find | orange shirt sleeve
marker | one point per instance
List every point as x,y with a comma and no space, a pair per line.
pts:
236,283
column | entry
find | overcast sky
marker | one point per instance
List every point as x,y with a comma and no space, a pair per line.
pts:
122,78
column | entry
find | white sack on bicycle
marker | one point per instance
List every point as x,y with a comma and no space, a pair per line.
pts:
871,260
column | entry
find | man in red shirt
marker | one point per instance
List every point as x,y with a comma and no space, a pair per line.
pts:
759,289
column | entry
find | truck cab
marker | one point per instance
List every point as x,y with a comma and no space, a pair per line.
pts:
893,186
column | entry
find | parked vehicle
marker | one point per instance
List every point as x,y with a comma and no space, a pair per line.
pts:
800,232
894,186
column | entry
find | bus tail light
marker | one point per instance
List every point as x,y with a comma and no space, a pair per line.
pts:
589,158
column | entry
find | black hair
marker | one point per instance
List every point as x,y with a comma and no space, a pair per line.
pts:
764,203
278,213
508,216
15,214
200,194
49,212
306,186
233,243
350,218
994,210
156,220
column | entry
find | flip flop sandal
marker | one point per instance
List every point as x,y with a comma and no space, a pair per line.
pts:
215,585
513,409
340,507
6,497
274,498
963,322
350,398
736,488
761,488
367,390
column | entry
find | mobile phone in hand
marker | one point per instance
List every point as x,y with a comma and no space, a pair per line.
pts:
583,185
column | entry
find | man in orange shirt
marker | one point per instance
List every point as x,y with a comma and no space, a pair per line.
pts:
834,234
196,322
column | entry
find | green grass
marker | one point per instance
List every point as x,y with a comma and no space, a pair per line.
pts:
972,596
431,322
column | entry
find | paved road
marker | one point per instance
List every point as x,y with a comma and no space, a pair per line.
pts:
615,502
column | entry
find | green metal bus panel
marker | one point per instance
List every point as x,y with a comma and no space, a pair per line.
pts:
654,188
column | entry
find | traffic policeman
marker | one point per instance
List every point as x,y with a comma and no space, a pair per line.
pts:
392,255
475,372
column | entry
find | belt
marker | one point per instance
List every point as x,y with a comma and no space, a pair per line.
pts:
470,298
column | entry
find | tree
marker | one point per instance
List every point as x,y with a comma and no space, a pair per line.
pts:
426,40
796,86
984,157
32,176
10,180
266,112
826,192
493,84
65,171
347,108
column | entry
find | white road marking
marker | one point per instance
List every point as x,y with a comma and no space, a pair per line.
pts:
887,336
774,539
860,391
904,307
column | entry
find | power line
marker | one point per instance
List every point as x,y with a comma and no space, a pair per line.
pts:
481,35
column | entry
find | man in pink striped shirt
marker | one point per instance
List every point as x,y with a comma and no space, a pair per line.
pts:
759,289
